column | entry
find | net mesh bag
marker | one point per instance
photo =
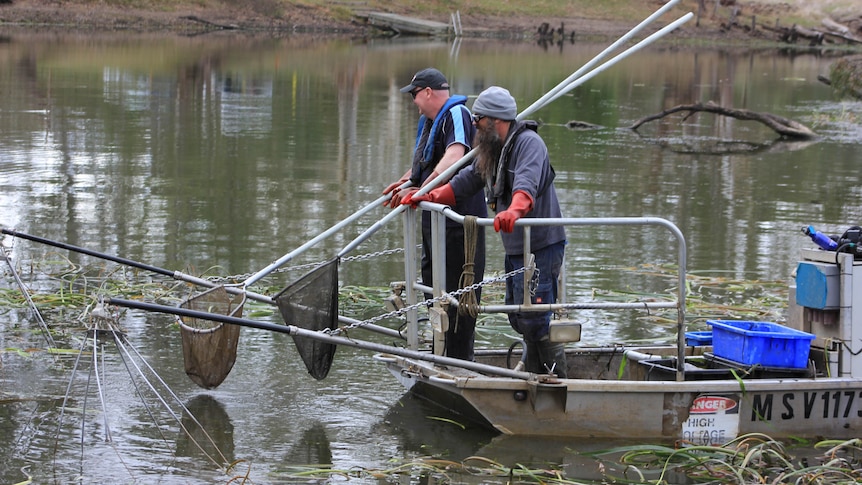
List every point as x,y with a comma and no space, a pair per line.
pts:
311,303
209,348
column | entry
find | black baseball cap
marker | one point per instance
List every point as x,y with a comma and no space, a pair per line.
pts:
427,78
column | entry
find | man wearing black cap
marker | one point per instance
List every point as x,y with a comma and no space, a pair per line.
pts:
444,135
513,166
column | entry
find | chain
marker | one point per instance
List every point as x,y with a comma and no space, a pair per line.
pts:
428,302
385,252
534,281
400,311
359,257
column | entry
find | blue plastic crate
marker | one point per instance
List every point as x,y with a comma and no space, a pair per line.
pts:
698,338
764,343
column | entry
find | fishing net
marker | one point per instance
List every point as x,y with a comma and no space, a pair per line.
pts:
311,303
209,348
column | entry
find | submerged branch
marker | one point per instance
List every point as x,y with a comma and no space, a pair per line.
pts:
195,18
783,126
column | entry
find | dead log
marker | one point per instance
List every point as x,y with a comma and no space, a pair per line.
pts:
783,126
792,34
835,26
195,18
582,125
849,39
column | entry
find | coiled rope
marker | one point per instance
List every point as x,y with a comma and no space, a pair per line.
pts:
467,304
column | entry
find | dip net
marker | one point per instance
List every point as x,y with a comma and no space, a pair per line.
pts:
311,303
209,348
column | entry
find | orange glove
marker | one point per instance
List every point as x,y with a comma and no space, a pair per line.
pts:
441,195
521,204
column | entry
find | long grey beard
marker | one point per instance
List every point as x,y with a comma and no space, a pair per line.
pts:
489,146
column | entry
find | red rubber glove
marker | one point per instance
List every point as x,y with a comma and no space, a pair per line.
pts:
521,204
441,195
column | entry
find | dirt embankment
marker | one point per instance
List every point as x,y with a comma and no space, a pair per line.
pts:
240,15
258,15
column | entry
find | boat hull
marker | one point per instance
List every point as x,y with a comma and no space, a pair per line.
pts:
700,412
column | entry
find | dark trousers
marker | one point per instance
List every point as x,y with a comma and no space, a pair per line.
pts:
460,334
541,354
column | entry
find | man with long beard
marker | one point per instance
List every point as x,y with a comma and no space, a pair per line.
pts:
513,166
444,135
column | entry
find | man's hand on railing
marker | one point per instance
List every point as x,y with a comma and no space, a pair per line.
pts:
441,195
521,204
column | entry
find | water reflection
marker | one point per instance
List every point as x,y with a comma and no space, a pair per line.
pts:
428,429
246,107
207,431
594,461
312,447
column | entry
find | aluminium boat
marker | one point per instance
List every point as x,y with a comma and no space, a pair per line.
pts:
802,379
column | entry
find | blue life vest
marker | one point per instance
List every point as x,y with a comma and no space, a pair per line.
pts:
455,105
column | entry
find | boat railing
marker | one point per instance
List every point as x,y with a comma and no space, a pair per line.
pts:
439,214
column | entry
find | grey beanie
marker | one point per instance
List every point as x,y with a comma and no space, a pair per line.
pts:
496,102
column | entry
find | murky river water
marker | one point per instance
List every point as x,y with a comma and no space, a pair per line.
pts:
219,154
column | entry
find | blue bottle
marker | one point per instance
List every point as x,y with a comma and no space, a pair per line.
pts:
822,240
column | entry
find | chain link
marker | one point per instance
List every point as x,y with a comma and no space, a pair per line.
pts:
534,281
400,311
428,302
385,252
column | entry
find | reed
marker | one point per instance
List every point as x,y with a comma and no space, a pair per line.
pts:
753,458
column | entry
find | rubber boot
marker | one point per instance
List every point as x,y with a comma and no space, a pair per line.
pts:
542,356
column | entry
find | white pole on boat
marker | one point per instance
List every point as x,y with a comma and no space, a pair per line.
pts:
552,94
177,275
323,235
622,55
564,87
325,337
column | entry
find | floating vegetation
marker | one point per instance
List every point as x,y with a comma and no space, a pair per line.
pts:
433,470
752,458
709,295
361,300
62,284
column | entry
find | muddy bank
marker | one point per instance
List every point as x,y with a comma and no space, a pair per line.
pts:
713,22
249,16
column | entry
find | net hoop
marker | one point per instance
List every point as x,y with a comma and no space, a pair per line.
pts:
209,348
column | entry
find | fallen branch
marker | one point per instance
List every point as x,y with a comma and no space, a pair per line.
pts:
783,126
582,125
814,37
840,31
195,18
